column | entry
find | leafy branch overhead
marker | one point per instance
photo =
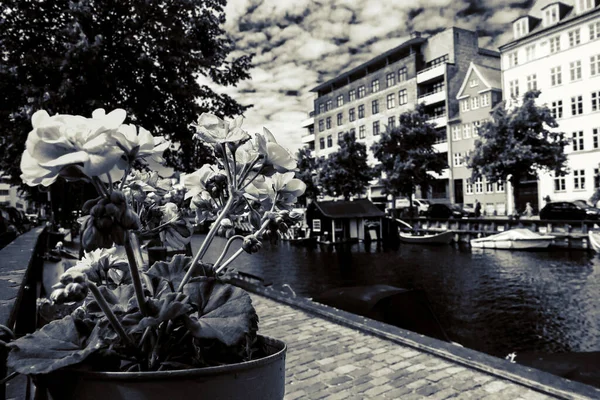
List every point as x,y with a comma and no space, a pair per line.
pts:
406,154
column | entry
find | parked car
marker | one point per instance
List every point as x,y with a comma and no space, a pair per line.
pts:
569,210
447,211
420,204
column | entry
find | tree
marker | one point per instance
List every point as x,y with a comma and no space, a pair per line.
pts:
307,171
346,172
518,143
407,156
73,56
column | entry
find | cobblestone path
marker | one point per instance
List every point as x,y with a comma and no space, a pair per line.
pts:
326,360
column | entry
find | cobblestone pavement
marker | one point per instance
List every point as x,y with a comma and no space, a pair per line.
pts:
326,360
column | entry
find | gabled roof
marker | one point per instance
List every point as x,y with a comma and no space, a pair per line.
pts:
349,209
490,77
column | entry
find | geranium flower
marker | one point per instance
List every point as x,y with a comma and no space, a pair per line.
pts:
67,143
199,181
275,155
286,188
215,130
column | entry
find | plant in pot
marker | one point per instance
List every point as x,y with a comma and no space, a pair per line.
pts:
175,328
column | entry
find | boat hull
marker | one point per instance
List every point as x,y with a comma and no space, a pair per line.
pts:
594,240
438,238
513,244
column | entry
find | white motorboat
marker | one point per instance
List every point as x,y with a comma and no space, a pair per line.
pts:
594,240
514,239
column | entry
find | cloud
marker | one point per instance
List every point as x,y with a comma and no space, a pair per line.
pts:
299,44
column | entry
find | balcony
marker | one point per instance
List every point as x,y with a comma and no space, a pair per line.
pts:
432,97
430,73
440,121
308,138
441,147
308,122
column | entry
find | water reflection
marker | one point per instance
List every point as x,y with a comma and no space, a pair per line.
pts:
490,300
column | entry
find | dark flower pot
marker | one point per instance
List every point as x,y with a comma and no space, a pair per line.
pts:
261,379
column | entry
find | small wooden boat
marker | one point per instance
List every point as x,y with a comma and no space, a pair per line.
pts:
594,240
305,241
514,239
428,238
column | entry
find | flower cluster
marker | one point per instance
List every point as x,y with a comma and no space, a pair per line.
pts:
173,314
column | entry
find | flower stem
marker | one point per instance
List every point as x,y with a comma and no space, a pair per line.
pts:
135,273
240,250
112,318
224,252
207,241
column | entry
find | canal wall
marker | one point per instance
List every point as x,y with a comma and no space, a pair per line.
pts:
569,234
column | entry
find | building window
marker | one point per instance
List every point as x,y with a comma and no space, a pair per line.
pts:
595,133
352,95
402,97
466,131
353,132
578,141
585,5
579,179
376,128
474,102
456,132
375,86
485,99
437,61
328,105
560,184
555,76
322,143
316,225
500,186
468,186
361,111
329,141
390,79
574,37
595,65
375,107
328,123
554,44
532,82
479,185
321,108
402,74
513,59
489,186
340,137
575,68
594,30
551,15
596,178
351,115
391,100
391,123
476,126
557,109
458,160
361,92
464,105
530,52
340,100
362,132
595,101
4,192
340,119
321,125
474,82
514,88
576,105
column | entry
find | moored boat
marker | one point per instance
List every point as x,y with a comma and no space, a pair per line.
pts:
433,238
514,239
594,240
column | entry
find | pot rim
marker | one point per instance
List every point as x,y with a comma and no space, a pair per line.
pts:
280,346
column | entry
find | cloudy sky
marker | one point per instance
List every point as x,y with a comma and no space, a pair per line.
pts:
301,43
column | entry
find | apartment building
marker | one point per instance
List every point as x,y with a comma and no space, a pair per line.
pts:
369,99
480,92
556,49
9,195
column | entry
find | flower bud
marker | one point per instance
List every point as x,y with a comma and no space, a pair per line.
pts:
117,197
130,220
98,210
251,244
104,224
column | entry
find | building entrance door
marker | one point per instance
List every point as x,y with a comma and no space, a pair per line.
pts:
458,191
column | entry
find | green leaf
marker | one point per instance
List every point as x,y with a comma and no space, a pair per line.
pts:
173,271
121,299
57,345
225,312
172,306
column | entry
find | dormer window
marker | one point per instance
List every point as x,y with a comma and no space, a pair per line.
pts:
584,5
521,27
551,15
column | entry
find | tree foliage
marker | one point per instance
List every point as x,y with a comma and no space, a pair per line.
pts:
346,172
73,56
517,143
407,156
307,173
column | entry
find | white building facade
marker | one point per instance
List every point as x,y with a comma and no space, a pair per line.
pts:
556,49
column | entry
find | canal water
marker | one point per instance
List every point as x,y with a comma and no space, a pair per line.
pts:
493,301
